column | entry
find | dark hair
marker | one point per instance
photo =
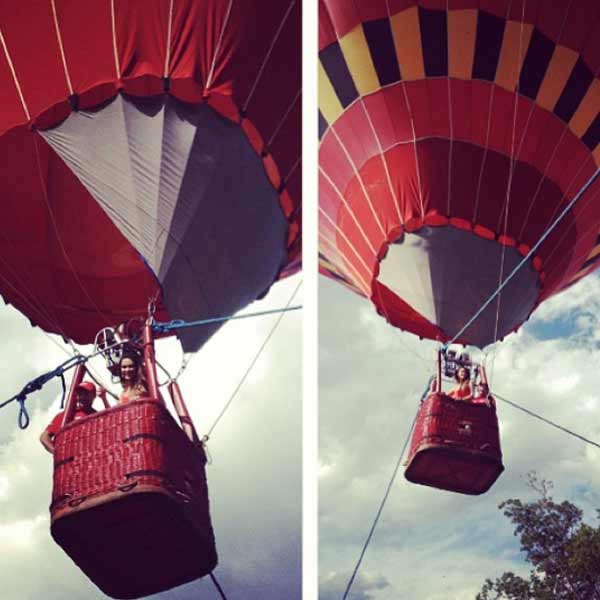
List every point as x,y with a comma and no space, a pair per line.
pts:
140,379
134,356
467,373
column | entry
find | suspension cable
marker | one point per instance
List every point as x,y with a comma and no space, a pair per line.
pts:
217,586
254,360
385,497
524,260
545,420
179,324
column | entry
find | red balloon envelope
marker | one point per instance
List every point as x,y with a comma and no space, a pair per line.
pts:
147,146
453,133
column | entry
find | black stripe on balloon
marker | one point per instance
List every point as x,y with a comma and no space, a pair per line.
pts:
488,42
325,264
434,37
383,52
323,125
590,262
535,64
575,89
334,63
591,138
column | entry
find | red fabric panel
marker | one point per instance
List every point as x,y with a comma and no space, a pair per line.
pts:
462,4
467,161
438,91
397,6
434,162
401,315
550,20
12,112
381,196
401,161
36,277
397,109
266,109
579,23
481,99
591,50
326,31
527,10
141,32
499,8
334,161
337,18
86,34
550,136
34,52
462,109
356,134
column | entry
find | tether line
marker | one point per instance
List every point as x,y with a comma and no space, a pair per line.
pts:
217,586
542,239
545,420
380,510
254,360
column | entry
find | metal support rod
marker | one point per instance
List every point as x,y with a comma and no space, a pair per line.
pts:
71,403
483,375
438,378
150,364
182,412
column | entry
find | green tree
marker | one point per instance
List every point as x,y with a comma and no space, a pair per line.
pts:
564,551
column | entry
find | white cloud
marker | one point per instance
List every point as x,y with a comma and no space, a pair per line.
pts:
429,544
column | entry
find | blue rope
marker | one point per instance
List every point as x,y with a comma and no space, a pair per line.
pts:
560,217
180,324
36,384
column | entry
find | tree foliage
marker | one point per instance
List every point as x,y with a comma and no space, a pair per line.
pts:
563,551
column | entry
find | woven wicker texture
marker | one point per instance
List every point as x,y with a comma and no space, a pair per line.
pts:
130,500
455,446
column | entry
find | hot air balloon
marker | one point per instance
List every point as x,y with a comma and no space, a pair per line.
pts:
459,153
148,148
151,158
453,135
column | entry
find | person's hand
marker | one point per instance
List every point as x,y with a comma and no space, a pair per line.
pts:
101,392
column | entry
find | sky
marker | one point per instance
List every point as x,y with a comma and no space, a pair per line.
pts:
254,479
431,544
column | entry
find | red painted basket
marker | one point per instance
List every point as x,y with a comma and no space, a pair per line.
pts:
130,500
455,446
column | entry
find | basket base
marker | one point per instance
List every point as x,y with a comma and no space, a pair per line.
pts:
454,469
137,544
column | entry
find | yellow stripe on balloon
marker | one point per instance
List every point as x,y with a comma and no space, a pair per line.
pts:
358,58
407,40
557,74
514,48
329,102
462,32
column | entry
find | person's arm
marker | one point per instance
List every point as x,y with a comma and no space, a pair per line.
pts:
101,392
47,440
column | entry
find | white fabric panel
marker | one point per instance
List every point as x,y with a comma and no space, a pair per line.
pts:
446,274
187,190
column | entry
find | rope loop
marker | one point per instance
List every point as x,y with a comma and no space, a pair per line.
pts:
24,419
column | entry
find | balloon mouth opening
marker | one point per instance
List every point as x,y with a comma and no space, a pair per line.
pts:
434,279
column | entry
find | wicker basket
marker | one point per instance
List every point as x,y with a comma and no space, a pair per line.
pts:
130,500
455,446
